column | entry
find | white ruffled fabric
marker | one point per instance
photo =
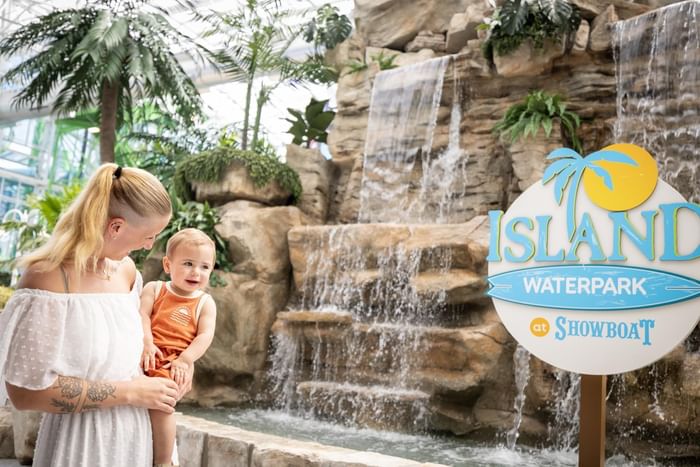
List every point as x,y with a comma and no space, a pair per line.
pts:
92,336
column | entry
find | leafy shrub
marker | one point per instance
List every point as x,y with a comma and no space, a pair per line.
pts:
519,20
312,124
31,234
209,166
328,29
539,110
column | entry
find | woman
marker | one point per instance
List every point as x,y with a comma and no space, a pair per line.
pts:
71,335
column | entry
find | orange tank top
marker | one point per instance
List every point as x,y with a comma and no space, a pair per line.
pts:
174,319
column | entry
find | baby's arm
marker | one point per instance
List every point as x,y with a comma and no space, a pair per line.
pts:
148,357
200,344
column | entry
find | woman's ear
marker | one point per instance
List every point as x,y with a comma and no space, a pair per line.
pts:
114,226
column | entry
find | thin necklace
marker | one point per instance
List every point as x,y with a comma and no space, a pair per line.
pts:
107,272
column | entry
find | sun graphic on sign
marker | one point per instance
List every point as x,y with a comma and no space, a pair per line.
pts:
617,178
631,185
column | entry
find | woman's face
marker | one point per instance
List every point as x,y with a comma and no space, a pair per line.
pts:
123,237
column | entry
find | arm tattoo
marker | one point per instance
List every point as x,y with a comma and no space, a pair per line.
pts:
99,391
65,406
70,388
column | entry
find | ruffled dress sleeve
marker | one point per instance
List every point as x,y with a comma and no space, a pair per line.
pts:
32,336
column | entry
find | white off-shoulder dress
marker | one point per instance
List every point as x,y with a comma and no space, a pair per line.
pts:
96,337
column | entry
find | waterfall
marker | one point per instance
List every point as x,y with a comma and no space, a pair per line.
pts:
521,364
403,181
366,317
657,57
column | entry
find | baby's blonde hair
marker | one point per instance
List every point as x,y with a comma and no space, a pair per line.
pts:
190,237
129,193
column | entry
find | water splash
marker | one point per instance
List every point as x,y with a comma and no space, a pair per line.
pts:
521,364
563,433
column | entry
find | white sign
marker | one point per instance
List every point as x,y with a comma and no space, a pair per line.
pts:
595,269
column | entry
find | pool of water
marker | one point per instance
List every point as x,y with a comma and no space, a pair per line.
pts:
444,450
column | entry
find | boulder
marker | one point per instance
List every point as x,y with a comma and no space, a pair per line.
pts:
427,40
25,427
462,26
394,23
315,173
7,447
236,184
527,60
626,9
581,38
601,30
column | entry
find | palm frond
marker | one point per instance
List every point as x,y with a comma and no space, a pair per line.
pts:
555,168
612,156
602,173
564,152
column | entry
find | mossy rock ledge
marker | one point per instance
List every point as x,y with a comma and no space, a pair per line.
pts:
237,184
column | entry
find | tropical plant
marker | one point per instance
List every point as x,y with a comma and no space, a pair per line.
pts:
209,166
385,62
568,170
537,20
256,42
539,110
356,66
105,55
312,124
198,216
328,29
34,231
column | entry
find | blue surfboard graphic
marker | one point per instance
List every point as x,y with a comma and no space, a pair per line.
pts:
593,287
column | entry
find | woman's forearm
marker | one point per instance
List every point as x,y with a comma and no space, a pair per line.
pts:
71,395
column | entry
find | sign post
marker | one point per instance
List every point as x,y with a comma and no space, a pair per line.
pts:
596,270
591,445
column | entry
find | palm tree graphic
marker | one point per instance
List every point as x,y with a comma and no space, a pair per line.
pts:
568,170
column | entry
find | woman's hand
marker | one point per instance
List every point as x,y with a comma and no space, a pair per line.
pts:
149,354
154,393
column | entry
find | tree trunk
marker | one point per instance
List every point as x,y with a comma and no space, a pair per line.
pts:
260,102
108,121
246,114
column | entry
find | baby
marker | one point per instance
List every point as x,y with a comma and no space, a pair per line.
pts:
178,323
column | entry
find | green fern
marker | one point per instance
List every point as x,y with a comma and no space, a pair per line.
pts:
539,110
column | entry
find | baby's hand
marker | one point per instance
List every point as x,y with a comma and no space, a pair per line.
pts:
179,369
148,357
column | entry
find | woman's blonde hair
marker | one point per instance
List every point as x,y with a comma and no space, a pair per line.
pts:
112,191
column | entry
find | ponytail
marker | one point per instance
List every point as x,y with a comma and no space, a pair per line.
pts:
112,191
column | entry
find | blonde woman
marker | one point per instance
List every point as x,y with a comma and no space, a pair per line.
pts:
71,335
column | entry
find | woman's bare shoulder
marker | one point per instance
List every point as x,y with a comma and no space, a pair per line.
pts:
41,276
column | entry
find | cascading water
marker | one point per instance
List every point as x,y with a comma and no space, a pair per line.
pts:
402,180
366,369
657,58
521,364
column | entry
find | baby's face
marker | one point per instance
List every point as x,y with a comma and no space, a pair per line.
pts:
190,267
